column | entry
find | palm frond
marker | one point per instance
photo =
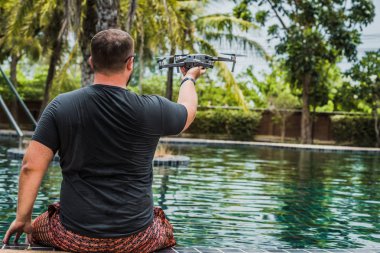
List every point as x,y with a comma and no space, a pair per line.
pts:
239,40
224,73
230,82
66,65
222,22
18,22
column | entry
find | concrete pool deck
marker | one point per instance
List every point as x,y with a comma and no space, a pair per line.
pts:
24,247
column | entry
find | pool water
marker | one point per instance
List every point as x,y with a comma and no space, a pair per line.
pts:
250,197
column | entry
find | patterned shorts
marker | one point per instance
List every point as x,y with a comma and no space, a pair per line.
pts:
49,231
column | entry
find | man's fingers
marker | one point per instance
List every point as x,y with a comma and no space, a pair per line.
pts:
7,236
17,237
29,238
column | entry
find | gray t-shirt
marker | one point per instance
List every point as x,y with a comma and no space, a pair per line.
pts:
106,137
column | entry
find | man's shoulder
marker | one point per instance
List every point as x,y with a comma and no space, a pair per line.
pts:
153,98
71,94
76,92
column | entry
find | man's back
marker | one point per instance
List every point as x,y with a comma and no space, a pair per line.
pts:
106,137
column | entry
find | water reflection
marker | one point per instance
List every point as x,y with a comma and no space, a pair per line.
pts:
269,197
251,197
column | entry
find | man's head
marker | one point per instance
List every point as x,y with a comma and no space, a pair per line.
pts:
112,52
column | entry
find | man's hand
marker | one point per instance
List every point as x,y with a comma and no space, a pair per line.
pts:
17,228
194,73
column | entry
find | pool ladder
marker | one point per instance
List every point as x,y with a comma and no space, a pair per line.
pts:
9,114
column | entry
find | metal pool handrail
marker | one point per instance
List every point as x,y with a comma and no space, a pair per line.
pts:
13,89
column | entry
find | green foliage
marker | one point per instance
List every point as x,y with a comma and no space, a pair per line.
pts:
237,124
32,88
327,80
274,85
65,82
284,100
209,92
354,130
315,30
241,10
155,85
310,33
28,88
366,73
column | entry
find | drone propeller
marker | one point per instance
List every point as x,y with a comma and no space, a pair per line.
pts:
233,54
170,56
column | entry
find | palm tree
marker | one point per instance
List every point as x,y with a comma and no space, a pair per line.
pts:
13,46
98,15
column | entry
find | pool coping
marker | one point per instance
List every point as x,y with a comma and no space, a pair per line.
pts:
311,147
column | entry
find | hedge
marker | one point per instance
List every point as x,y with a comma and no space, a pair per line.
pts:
354,130
236,124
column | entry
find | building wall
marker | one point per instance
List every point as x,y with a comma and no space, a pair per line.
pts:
322,129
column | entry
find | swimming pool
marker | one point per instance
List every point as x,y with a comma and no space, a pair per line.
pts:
251,197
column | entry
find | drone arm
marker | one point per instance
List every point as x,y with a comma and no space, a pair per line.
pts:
223,59
171,65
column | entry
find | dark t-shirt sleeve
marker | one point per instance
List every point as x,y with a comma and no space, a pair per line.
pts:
167,116
174,117
46,132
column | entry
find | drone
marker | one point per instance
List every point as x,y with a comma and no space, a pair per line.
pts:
189,61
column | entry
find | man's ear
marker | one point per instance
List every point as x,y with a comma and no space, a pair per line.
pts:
89,61
130,63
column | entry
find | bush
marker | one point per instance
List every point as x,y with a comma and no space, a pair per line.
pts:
354,130
236,124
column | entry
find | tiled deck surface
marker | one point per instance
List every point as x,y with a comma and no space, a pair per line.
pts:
23,247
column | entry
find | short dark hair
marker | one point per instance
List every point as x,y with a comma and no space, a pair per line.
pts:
110,50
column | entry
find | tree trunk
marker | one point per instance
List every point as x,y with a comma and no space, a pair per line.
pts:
376,118
283,128
131,14
89,30
305,120
13,78
377,128
169,79
100,15
54,59
108,12
141,62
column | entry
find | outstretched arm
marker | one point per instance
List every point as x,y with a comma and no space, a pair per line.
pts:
188,95
34,166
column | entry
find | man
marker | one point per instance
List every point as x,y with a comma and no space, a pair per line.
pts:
106,137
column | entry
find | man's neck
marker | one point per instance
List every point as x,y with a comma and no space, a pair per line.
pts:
112,80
